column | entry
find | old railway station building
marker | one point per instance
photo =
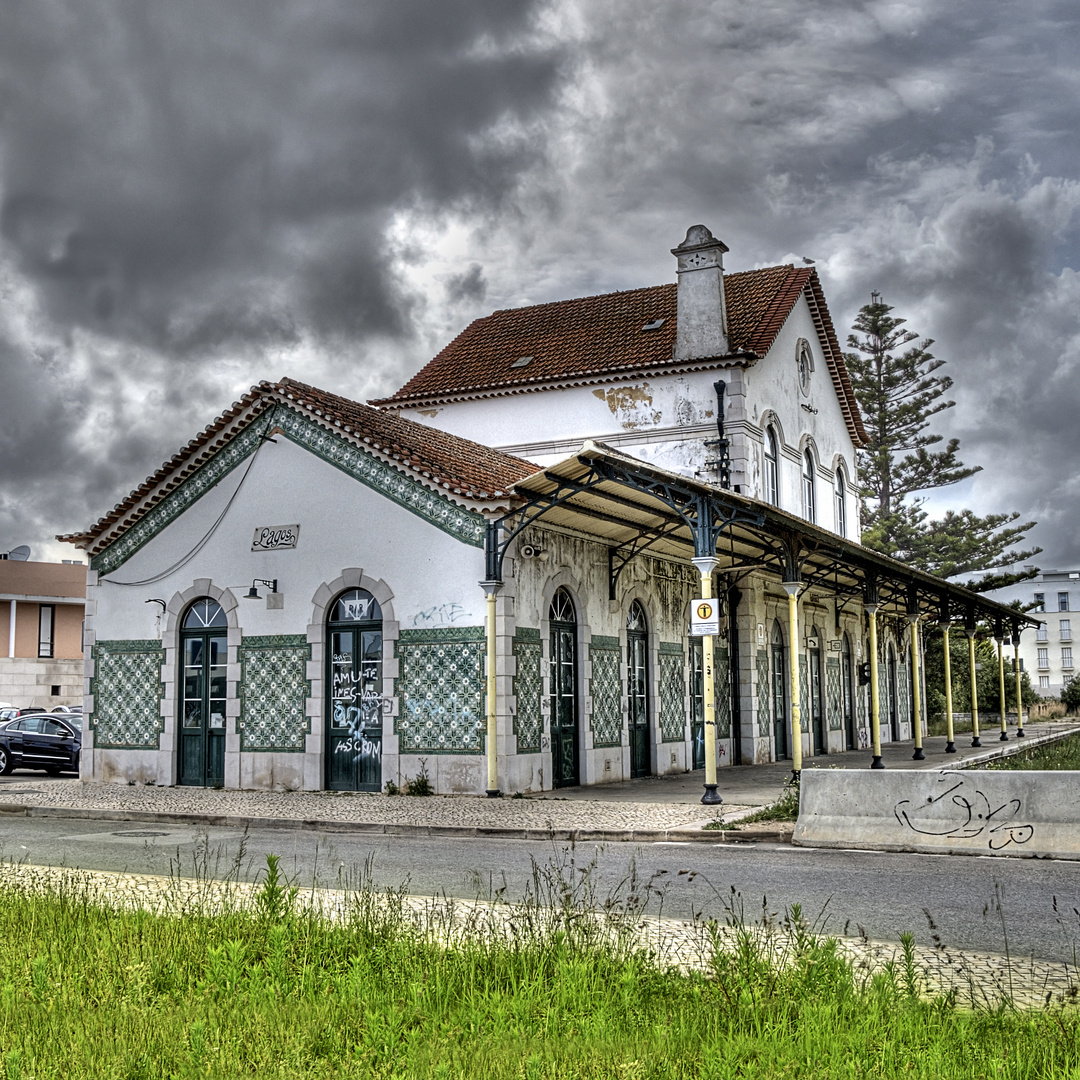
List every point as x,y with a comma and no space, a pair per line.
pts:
493,571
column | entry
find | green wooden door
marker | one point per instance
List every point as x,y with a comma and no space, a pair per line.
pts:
817,701
564,704
697,703
205,651
354,694
637,690
778,667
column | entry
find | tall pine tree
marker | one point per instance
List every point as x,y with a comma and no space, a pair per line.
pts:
898,393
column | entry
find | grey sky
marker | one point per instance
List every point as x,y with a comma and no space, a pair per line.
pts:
196,195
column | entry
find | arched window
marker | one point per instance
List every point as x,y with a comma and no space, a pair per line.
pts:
637,688
841,503
772,468
204,645
809,499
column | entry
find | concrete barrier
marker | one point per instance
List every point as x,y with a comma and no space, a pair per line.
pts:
1017,813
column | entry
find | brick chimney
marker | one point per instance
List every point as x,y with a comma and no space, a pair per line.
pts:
702,316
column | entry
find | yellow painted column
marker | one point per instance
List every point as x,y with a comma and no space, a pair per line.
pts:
792,590
491,589
706,566
975,740
916,690
1001,690
1019,689
950,745
875,691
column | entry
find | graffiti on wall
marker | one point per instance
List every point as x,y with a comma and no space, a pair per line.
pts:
964,812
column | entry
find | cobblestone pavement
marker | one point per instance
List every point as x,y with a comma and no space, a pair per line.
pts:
977,979
463,811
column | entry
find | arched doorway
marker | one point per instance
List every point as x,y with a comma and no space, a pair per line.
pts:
778,670
891,695
354,684
847,691
562,620
637,688
816,692
204,645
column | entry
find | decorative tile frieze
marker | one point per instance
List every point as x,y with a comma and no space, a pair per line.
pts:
440,690
723,693
464,525
672,693
527,688
127,691
764,695
274,692
437,509
833,696
606,691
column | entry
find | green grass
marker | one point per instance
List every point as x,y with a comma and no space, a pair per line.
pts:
786,808
1064,755
86,991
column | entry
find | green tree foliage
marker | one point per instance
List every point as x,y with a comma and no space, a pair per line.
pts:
987,682
899,390
1070,694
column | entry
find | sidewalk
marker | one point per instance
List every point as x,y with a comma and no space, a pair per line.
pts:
647,810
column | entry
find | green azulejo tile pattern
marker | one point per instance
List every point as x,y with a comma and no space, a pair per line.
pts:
440,690
127,691
606,691
528,685
764,694
362,466
804,693
903,695
274,692
832,693
723,694
672,692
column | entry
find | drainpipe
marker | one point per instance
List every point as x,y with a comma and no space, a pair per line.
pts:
875,690
792,590
916,699
491,589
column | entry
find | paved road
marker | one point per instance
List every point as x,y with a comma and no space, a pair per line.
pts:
885,893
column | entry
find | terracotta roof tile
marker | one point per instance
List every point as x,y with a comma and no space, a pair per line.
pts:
460,468
600,338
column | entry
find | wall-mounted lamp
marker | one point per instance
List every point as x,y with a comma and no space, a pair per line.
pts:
155,600
253,592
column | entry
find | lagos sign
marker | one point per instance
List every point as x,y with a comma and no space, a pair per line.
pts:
705,618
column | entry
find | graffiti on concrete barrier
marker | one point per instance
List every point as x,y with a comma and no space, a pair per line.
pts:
963,812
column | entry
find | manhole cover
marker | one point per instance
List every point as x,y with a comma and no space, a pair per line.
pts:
142,832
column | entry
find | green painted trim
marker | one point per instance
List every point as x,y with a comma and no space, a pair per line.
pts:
273,641
131,645
599,641
438,635
464,525
670,648
526,633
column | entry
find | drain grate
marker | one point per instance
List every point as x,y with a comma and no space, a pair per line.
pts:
142,832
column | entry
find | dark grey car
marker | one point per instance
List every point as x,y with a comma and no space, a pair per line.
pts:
42,741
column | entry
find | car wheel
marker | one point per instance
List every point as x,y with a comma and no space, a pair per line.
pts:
5,761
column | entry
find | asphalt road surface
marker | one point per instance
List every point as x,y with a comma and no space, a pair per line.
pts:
987,904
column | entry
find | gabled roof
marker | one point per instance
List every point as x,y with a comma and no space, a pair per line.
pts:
463,471
597,339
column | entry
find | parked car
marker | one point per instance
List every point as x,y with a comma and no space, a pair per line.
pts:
41,741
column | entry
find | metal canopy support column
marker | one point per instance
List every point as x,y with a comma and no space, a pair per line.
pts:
875,689
970,631
491,589
1019,691
950,744
792,590
706,565
999,637
916,696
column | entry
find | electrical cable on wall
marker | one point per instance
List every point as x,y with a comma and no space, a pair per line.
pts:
185,559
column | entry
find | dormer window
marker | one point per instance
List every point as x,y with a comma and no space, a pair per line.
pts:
522,361
653,324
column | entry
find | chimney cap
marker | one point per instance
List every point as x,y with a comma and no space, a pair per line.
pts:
698,238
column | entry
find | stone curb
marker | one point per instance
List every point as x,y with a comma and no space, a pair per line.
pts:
778,833
1013,746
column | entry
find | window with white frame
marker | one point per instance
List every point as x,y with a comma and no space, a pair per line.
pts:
46,629
1066,657
1065,629
808,495
1040,602
841,503
1044,658
1040,633
772,467
1063,601
1044,682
